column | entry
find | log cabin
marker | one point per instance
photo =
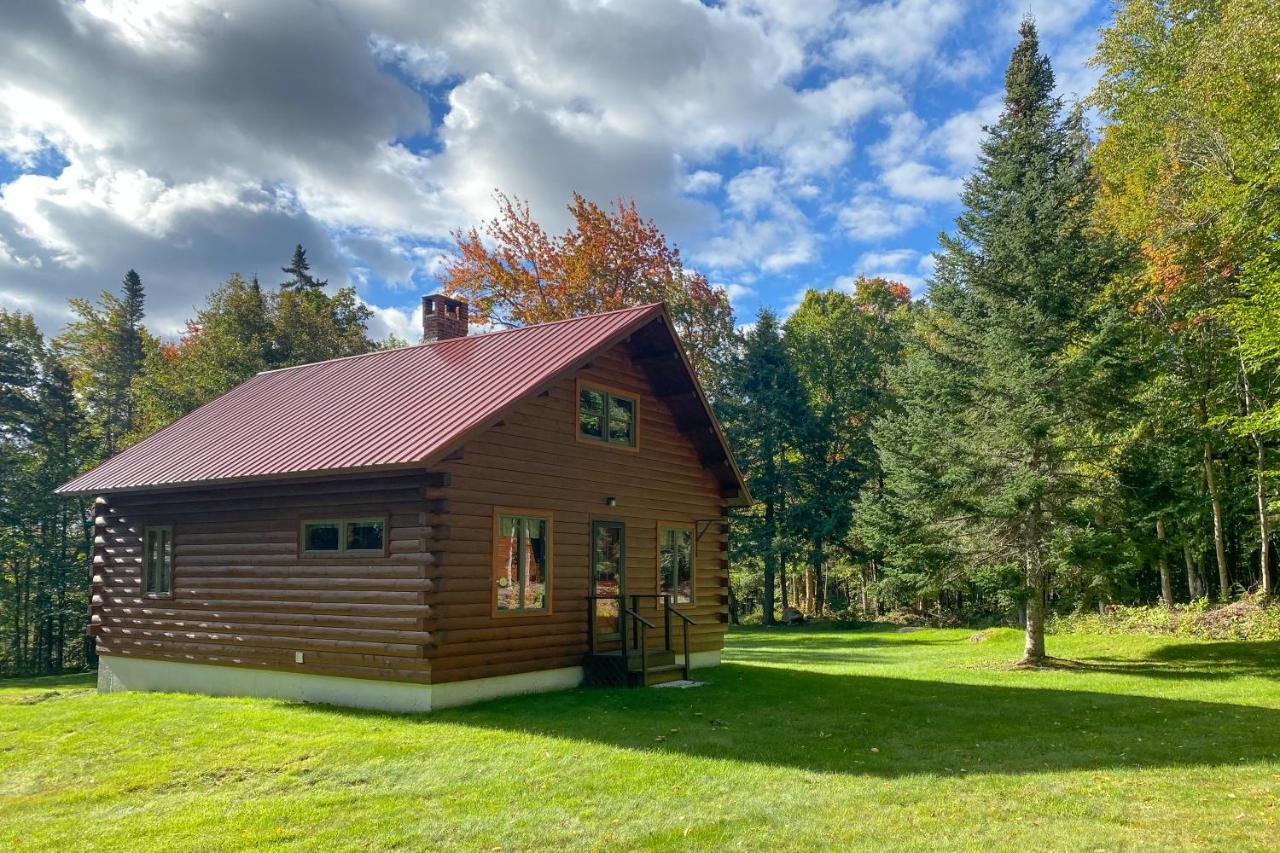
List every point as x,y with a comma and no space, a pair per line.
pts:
474,516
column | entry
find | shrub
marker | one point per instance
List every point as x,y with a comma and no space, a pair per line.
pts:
1251,618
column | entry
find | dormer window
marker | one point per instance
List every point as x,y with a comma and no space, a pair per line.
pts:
606,416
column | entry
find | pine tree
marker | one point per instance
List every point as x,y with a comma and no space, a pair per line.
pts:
105,350
985,465
770,426
299,270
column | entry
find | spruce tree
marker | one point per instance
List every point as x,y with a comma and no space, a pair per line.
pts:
299,271
986,463
773,421
129,350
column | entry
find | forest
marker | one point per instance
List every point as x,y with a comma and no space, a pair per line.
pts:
1081,411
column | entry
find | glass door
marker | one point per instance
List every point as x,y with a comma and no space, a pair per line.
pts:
608,552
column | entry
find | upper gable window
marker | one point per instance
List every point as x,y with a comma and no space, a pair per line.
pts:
606,417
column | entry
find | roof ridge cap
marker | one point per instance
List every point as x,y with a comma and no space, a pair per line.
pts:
447,340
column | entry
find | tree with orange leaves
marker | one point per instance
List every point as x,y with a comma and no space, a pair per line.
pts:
514,273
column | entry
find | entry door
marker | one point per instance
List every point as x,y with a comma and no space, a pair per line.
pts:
608,557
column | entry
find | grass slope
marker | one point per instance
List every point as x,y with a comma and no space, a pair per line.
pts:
815,737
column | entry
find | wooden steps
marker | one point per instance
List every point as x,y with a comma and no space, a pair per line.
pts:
613,669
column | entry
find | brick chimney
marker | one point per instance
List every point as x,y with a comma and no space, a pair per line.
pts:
443,318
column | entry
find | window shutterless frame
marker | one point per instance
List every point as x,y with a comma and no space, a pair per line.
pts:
548,569
609,395
341,525
693,560
157,561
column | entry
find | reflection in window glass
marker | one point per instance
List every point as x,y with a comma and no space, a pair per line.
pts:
365,535
521,563
320,536
157,560
606,417
621,420
591,413
676,557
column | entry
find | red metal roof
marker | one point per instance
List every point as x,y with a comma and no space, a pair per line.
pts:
383,409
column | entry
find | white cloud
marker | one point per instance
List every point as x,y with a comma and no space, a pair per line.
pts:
897,34
190,138
889,259
737,292
765,228
959,138
702,181
921,182
867,218
405,326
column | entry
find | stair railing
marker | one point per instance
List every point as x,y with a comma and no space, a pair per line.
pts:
640,626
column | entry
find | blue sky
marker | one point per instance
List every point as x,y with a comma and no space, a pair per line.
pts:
782,145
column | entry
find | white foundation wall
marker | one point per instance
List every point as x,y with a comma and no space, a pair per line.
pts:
117,674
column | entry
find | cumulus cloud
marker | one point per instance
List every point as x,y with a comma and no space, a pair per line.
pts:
194,138
867,218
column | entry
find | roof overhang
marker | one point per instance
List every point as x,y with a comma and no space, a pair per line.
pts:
654,345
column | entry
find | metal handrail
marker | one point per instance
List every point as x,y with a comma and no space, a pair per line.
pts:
667,611
640,625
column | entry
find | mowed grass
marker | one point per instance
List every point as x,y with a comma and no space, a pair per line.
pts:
812,737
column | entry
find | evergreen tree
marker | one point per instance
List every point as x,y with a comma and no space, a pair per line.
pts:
299,270
105,350
771,425
21,346
43,539
986,464
240,331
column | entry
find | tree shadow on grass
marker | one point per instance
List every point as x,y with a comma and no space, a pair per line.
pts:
835,636
1212,661
889,727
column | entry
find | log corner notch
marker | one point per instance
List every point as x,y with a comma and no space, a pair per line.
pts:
436,534
654,349
244,594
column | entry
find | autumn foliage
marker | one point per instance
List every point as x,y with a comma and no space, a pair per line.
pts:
514,273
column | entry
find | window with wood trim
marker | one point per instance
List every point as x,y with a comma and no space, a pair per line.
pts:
157,560
606,417
675,561
352,536
521,563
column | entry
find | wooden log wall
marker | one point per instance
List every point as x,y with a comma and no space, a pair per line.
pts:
243,596
533,460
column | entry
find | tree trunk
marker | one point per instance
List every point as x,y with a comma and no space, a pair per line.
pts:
782,580
866,603
1193,573
1219,534
1264,520
824,594
1033,652
770,561
1162,560
1260,490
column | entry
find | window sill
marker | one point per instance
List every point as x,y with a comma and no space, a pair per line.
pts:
510,614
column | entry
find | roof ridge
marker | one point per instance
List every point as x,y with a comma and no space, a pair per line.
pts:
473,337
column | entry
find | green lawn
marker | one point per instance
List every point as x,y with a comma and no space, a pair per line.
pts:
816,737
